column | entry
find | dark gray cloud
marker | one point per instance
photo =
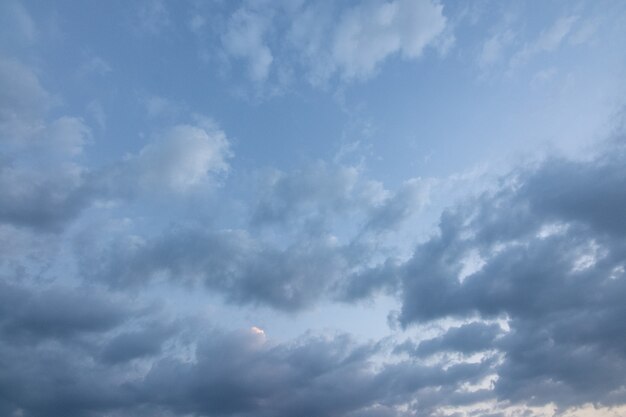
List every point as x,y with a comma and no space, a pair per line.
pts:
57,313
552,245
467,339
136,344
536,252
40,199
230,374
238,375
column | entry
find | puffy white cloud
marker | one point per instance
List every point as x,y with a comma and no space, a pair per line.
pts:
181,157
178,159
369,33
328,39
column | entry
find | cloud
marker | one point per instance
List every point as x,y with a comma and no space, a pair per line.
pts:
182,157
407,201
245,270
57,313
369,33
312,193
467,339
226,373
44,187
547,41
244,39
311,376
493,48
23,101
24,107
17,27
355,41
328,40
136,344
179,158
552,245
311,238
41,199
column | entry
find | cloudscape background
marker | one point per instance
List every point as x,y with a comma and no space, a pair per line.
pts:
314,208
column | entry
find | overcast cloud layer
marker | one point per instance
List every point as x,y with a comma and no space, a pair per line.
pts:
383,208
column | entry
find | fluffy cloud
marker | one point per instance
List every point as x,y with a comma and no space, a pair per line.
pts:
182,157
310,239
328,40
178,159
367,34
80,352
236,373
552,245
41,199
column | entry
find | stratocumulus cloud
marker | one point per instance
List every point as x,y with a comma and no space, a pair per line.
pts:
312,208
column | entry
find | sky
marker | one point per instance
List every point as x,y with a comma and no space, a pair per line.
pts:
315,208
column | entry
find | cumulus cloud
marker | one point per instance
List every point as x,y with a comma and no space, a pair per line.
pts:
56,313
178,159
135,344
329,40
66,352
311,238
24,106
44,187
367,34
552,245
182,157
244,269
43,200
42,184
467,339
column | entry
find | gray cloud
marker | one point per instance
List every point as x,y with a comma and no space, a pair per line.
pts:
314,376
57,313
136,344
307,264
552,245
243,269
231,374
41,199
467,339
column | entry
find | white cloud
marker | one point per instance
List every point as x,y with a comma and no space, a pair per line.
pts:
327,41
494,47
364,36
244,39
68,135
549,40
182,157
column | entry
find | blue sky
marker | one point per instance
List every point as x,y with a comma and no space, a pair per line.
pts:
312,207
